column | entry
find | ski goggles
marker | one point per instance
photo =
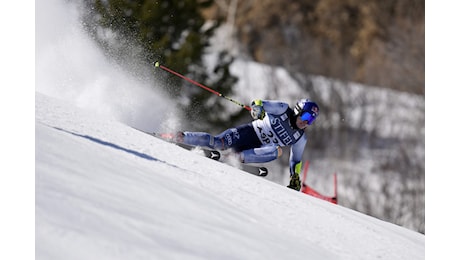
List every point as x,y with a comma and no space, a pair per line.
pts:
307,116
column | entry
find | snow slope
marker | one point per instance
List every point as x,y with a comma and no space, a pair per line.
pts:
107,191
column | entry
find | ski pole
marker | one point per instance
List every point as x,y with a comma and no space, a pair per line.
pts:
157,64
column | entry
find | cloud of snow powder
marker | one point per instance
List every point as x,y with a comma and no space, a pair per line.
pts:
71,66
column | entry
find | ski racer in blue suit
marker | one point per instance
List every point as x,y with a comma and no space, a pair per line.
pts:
275,125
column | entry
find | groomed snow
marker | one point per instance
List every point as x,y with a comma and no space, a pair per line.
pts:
107,191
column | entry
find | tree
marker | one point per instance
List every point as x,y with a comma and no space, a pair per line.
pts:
172,32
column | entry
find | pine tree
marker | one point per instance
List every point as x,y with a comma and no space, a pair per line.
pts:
174,33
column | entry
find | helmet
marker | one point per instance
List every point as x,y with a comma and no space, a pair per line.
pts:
307,110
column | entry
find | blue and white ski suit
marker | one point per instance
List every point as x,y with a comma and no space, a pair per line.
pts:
258,141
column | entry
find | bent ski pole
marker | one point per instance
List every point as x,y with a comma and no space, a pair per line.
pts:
157,64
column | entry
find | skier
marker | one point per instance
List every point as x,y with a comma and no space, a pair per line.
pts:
275,125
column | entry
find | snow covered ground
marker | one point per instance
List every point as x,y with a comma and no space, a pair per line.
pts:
107,191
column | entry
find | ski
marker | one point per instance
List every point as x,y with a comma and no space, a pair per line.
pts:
256,170
211,154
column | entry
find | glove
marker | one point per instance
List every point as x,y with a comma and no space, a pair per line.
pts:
294,182
257,110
